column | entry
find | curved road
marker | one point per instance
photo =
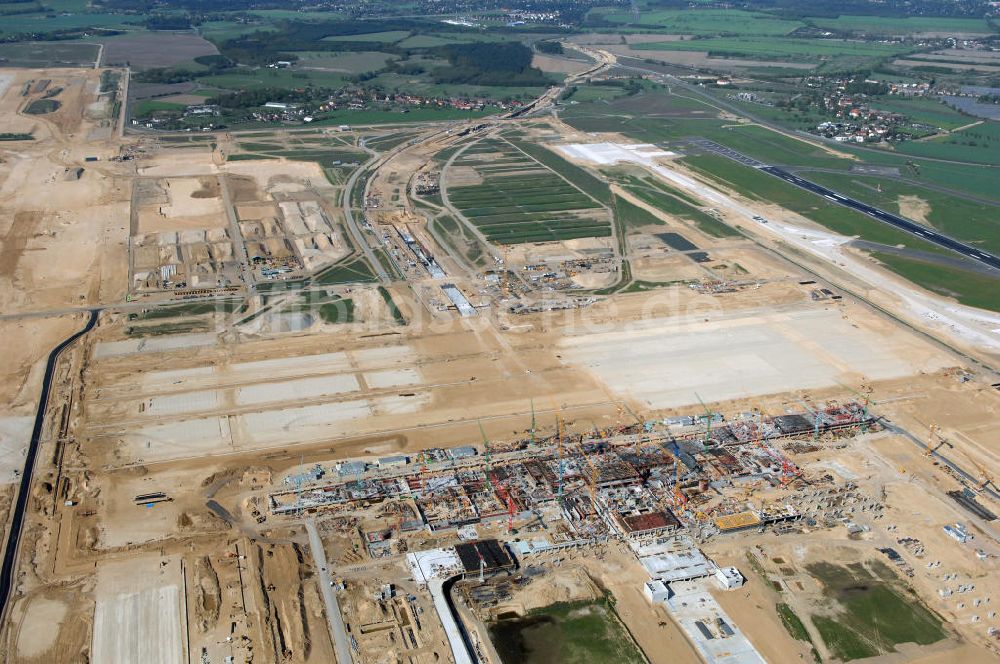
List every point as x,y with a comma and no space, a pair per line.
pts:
17,518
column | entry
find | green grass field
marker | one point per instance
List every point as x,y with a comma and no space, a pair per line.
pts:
529,208
971,288
903,25
388,36
339,311
578,176
49,22
397,315
979,143
190,309
675,203
569,633
707,22
42,107
771,147
46,54
974,223
274,78
145,107
873,613
792,623
354,62
631,216
524,199
761,186
924,111
776,49
352,271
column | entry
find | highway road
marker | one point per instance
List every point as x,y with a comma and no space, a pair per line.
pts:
896,221
352,224
338,632
23,491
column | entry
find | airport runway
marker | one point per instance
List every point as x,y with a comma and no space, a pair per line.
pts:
902,224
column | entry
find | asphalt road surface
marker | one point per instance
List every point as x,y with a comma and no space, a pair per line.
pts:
17,514
338,631
902,224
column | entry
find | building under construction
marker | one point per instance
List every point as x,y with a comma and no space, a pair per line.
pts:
629,481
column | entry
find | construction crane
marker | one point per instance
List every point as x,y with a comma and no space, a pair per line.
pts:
641,436
984,476
482,563
505,274
935,433
505,497
593,472
501,491
532,443
789,471
816,418
679,497
708,420
486,447
864,393
559,448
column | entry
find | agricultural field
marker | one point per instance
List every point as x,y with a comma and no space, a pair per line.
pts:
387,36
518,199
40,54
264,78
355,62
777,49
979,142
910,25
925,111
706,22
145,50
42,22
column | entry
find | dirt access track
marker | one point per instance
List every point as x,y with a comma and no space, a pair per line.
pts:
149,535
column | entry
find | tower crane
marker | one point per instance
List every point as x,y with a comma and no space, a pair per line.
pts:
559,449
486,448
789,471
502,492
708,420
532,440
984,475
816,418
935,433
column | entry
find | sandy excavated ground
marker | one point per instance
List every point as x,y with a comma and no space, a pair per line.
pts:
215,418
64,238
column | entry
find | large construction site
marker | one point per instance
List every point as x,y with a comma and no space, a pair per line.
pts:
435,401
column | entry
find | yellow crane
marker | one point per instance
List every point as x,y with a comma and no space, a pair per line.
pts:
505,273
984,476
